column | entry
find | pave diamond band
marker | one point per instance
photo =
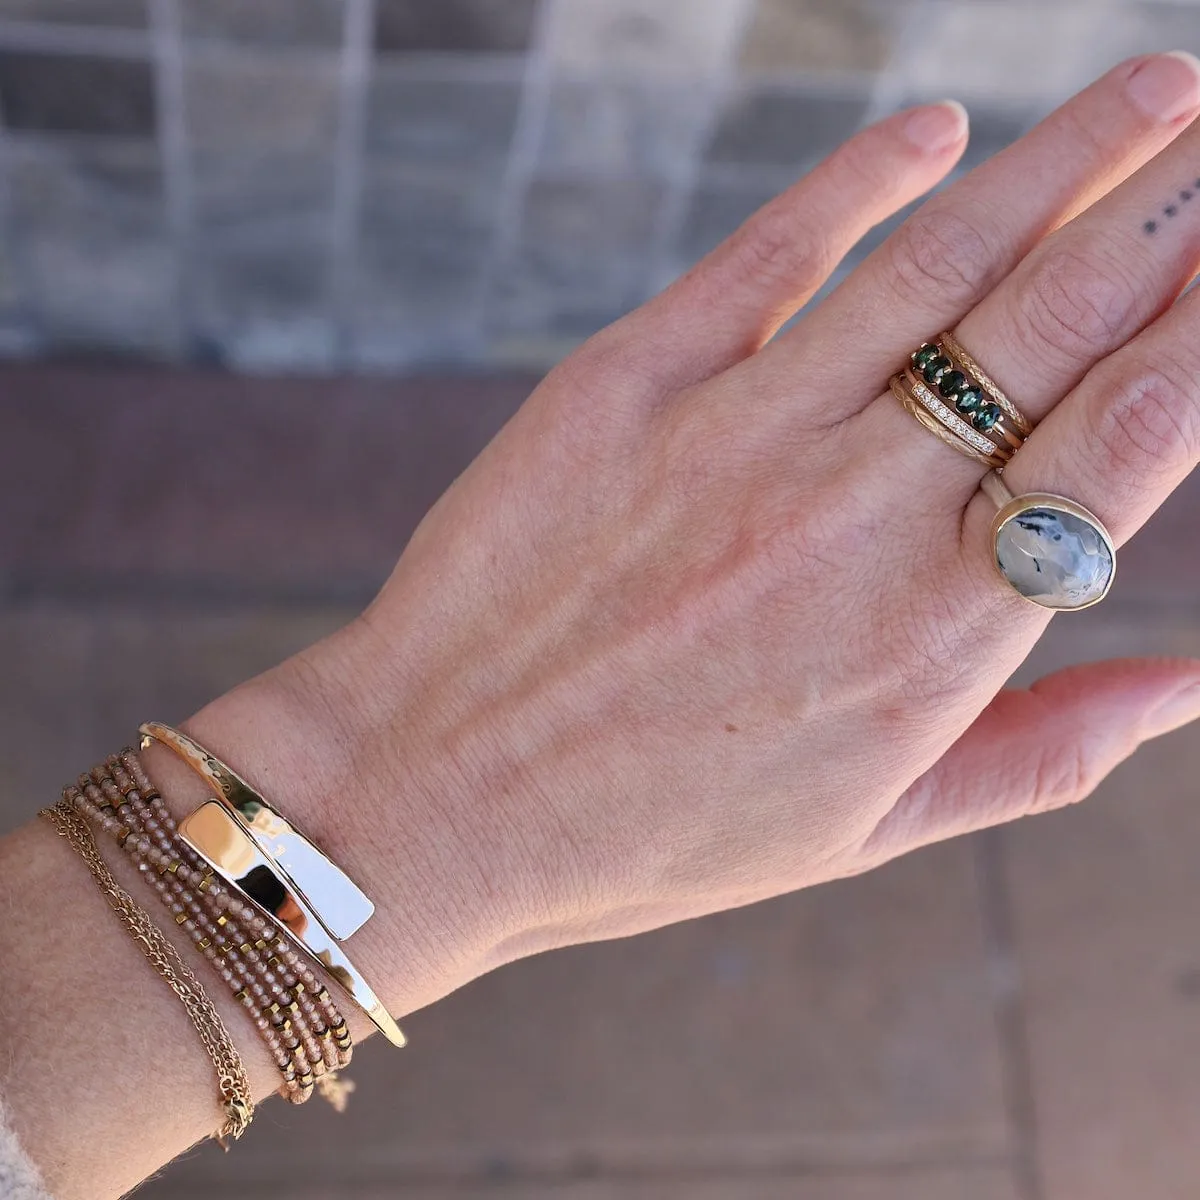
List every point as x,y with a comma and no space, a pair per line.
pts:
942,422
948,417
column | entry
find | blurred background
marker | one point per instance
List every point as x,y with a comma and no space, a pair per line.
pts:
271,273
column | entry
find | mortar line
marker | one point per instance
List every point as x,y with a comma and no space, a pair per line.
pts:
519,167
673,208
358,38
592,1169
1008,1004
39,37
173,148
14,248
890,81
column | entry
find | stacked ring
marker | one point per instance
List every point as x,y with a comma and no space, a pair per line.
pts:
954,398
1047,548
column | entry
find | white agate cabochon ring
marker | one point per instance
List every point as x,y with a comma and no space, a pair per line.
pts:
1052,550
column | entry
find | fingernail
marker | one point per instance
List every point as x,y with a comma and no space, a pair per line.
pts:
937,126
1168,85
1180,709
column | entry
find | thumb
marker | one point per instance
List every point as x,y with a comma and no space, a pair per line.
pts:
1041,748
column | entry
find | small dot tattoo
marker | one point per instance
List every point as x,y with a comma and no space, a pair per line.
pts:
1151,227
1170,210
1185,195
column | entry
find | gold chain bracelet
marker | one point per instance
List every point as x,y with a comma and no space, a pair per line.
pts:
237,1100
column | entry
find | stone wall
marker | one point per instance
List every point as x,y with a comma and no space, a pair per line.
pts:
400,184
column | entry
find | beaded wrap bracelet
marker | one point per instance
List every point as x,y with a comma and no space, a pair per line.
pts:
304,1031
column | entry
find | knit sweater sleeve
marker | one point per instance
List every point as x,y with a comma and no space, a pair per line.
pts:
19,1179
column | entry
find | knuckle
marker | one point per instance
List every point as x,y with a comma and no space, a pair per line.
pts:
1063,774
1076,306
938,249
772,248
1150,421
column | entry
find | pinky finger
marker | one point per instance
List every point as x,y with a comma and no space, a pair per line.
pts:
1042,748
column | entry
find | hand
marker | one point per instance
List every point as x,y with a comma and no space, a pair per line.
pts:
713,619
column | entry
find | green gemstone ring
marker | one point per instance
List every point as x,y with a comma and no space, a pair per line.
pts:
967,409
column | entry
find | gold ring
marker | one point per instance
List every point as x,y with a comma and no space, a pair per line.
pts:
952,396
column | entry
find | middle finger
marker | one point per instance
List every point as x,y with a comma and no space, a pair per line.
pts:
1082,293
963,241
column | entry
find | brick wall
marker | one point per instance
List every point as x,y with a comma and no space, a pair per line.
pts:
398,184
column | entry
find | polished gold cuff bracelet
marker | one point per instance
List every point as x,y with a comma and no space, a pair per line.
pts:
246,842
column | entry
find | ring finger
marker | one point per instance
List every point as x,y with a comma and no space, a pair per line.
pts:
1122,441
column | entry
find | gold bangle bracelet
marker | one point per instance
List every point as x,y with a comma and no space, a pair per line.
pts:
241,836
337,900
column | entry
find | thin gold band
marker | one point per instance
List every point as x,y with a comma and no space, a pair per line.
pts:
955,349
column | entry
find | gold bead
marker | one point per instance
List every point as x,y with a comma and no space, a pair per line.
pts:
245,947
222,920
179,920
204,943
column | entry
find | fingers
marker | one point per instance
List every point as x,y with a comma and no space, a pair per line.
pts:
1042,748
735,299
1125,438
1084,291
949,255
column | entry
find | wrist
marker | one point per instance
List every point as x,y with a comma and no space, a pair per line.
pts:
314,735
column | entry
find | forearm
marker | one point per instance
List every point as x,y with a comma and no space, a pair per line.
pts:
105,1077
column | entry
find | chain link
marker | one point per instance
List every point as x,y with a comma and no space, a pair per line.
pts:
237,1100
